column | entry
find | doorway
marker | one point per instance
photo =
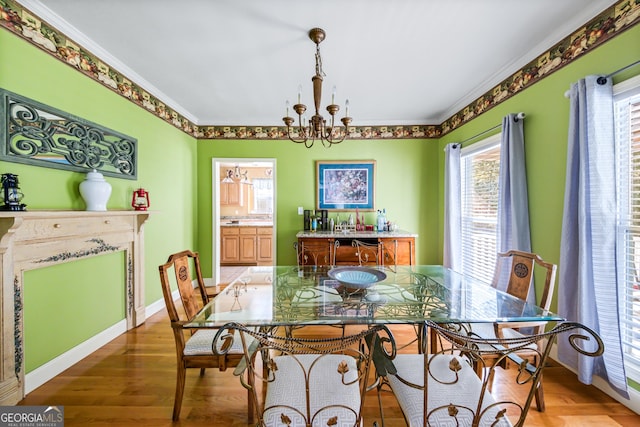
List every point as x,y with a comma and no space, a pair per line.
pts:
244,198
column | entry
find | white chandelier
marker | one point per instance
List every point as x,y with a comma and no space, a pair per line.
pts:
236,173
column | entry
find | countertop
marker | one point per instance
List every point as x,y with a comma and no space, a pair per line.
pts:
247,223
355,234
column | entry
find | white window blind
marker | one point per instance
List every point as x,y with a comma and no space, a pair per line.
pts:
627,125
479,166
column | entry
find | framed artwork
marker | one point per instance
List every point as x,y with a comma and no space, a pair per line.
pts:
345,185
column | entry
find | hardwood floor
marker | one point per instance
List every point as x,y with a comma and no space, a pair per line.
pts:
131,382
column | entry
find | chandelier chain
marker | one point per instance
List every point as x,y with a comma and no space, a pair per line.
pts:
319,70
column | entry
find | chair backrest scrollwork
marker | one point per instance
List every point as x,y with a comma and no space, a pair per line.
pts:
316,252
455,394
304,381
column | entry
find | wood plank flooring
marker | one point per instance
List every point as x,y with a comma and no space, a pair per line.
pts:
131,382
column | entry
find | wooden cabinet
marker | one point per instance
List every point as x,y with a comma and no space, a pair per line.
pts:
265,245
230,245
231,194
405,253
246,246
346,254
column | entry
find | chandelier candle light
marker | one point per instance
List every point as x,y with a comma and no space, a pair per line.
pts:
317,127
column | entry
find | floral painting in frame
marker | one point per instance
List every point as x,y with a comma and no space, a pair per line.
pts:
345,185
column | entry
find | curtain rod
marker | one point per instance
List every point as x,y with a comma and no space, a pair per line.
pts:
603,79
519,116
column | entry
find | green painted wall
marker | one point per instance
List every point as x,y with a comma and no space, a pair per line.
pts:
545,129
53,323
406,186
166,170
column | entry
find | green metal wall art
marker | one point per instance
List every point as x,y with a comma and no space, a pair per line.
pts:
39,135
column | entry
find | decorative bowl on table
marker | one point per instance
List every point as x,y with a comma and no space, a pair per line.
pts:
356,278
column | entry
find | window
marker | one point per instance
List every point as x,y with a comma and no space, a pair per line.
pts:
262,195
480,165
627,128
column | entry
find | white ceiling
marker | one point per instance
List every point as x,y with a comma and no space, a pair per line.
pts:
236,62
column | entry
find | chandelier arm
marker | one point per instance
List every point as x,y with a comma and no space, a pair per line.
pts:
337,141
308,142
297,141
332,129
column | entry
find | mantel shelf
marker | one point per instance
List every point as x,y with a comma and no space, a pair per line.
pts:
67,213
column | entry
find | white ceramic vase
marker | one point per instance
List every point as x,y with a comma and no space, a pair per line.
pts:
95,191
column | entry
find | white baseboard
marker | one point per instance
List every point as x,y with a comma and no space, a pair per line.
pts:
44,373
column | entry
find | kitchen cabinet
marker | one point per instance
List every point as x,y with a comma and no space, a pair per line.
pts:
265,245
246,245
231,194
230,245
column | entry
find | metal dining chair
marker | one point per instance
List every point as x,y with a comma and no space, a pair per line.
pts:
443,388
298,381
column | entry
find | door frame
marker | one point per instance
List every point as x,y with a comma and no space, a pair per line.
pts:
215,202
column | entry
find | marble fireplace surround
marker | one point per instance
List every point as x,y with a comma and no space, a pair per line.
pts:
36,239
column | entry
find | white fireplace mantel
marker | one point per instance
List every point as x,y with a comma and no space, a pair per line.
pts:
36,239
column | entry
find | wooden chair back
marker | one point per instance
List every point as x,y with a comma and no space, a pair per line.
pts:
181,263
520,267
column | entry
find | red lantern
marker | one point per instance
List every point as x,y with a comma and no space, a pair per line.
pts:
140,200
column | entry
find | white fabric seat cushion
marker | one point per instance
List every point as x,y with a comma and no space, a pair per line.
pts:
325,389
200,343
465,392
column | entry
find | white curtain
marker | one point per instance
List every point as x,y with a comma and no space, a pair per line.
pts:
513,199
452,256
587,283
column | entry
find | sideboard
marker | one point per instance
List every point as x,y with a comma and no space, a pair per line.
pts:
346,254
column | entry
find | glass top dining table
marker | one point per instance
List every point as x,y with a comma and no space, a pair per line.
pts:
291,295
